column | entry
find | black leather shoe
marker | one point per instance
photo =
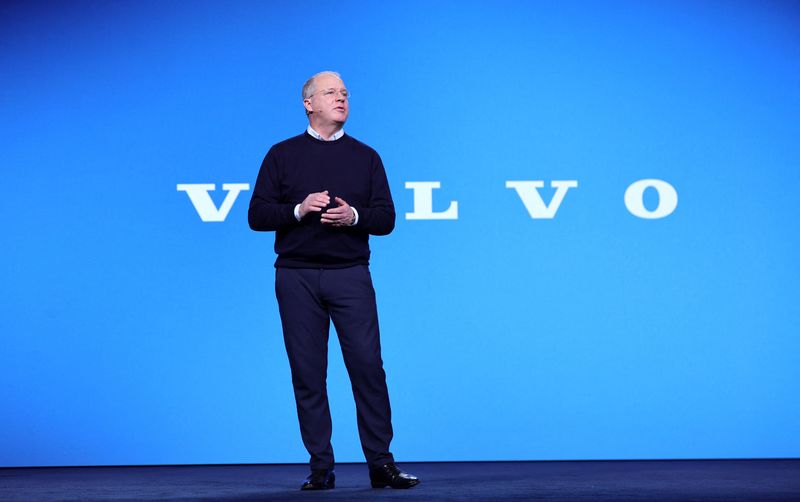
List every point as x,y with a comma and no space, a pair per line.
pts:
391,475
320,479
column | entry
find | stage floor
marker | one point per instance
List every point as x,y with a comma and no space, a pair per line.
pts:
674,480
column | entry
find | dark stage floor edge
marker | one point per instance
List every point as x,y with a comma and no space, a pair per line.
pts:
650,480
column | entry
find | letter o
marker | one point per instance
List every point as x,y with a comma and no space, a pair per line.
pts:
667,199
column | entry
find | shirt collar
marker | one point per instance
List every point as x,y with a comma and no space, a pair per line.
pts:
338,134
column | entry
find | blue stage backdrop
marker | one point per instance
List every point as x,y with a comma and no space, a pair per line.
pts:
595,254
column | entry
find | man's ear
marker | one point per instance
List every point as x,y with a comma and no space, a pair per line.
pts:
309,108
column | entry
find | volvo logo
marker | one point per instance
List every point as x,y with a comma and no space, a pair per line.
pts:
527,191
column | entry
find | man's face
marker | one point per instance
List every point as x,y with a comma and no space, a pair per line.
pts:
328,107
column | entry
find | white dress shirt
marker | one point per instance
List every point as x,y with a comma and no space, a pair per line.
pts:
338,134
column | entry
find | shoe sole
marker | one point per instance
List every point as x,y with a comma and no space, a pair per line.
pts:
329,487
384,485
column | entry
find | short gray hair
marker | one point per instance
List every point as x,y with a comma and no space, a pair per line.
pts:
310,87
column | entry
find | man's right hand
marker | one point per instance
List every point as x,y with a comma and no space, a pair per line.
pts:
315,202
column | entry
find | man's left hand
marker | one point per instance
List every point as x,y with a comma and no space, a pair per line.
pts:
340,216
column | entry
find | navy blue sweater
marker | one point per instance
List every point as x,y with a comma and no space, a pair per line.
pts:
302,165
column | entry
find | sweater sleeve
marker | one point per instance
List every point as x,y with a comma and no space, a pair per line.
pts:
268,211
378,217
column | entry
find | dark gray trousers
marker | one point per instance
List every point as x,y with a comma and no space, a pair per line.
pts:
308,300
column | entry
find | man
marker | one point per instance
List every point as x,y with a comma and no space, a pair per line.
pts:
323,193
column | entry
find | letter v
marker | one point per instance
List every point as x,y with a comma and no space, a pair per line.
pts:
529,193
201,200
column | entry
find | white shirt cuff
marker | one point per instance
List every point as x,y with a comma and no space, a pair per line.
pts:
297,212
355,220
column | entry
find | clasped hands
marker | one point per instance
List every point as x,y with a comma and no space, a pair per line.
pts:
339,216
